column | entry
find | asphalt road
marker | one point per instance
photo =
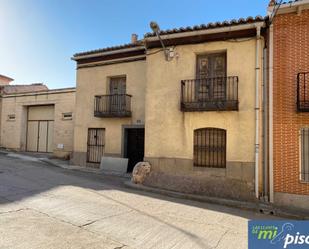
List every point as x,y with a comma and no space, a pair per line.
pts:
48,207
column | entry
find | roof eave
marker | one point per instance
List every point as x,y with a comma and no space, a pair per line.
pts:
208,31
290,7
118,51
6,77
205,32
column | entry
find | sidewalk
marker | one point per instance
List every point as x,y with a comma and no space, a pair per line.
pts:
262,207
56,162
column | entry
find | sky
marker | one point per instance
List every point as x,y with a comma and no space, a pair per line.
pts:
39,37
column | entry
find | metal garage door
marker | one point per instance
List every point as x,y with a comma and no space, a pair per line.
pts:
40,128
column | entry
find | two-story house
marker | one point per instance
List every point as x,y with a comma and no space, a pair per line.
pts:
203,108
110,106
192,109
289,104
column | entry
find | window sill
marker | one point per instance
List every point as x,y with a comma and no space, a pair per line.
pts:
303,182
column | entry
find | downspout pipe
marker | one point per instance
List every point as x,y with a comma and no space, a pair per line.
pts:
257,108
265,130
270,111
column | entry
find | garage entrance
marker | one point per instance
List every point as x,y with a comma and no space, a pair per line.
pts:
40,128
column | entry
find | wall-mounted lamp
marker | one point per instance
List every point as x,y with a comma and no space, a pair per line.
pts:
156,29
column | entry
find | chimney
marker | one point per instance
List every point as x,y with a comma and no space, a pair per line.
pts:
134,38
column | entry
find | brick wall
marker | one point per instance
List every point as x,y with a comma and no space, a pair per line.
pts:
291,56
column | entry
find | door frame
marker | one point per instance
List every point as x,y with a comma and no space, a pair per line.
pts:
125,135
26,119
101,146
124,139
38,135
211,90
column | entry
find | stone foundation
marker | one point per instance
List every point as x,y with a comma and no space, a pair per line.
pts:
80,159
300,202
236,181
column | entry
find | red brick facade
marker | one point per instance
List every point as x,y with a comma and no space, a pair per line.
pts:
291,56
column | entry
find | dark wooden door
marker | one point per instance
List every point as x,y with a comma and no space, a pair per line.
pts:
211,75
118,85
95,145
135,147
117,90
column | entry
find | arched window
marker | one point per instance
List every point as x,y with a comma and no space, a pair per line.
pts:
210,148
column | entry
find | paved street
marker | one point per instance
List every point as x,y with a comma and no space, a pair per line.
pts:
48,207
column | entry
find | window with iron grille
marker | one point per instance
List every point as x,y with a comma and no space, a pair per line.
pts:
303,92
95,144
304,173
210,148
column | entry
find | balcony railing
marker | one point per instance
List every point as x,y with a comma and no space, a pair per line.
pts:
210,94
113,105
303,92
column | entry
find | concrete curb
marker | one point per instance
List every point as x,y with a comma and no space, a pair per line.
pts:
256,207
70,167
80,168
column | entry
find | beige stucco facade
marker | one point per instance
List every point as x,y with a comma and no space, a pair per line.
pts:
16,106
154,81
169,131
94,80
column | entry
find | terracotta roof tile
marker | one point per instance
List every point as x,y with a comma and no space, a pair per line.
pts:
176,30
101,50
6,77
36,87
287,2
211,25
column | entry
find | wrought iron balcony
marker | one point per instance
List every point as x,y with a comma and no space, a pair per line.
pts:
112,105
210,94
303,92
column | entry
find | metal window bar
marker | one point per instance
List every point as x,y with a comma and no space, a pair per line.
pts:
210,148
95,144
210,94
303,92
304,174
112,105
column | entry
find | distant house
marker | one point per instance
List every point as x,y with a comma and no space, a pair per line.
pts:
110,105
36,119
10,89
4,80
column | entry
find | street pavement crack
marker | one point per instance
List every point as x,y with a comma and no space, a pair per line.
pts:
103,218
219,241
120,247
14,211
80,227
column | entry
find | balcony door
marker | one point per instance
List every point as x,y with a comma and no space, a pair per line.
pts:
117,90
211,77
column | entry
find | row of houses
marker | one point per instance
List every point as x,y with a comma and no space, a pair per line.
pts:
218,109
